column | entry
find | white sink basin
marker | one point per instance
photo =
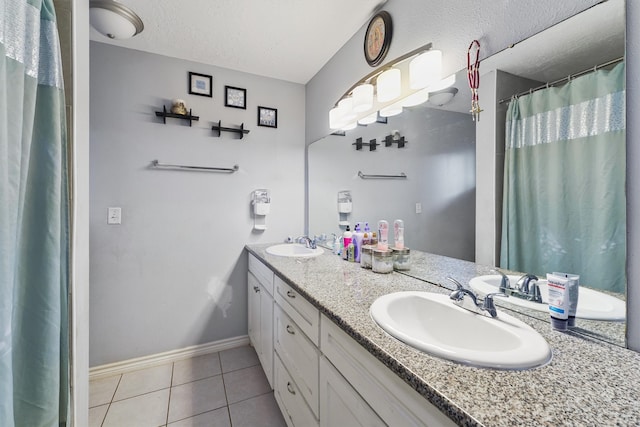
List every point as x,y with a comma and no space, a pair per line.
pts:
592,305
294,250
434,324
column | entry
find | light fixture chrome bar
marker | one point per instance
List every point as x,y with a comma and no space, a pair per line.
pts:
402,175
157,164
385,67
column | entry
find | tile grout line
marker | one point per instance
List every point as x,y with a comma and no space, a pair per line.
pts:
173,367
226,399
111,401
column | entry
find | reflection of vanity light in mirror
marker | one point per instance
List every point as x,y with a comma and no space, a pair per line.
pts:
392,110
442,97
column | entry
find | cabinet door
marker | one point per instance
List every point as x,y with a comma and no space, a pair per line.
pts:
340,404
298,355
266,334
253,295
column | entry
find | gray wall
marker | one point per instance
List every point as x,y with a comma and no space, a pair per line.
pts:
174,273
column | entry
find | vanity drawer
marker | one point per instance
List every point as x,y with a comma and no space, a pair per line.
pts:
262,272
301,311
299,355
292,404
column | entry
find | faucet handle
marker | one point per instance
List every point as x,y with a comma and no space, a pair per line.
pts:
488,305
455,282
534,291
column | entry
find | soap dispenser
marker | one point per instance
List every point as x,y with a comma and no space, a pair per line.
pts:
345,206
261,202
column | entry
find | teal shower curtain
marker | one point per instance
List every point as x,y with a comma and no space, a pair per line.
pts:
564,204
34,214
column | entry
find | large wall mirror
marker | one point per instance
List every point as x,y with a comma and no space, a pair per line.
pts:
431,182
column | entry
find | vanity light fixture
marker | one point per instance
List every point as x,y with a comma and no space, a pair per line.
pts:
417,98
363,97
425,69
392,110
114,20
403,82
389,85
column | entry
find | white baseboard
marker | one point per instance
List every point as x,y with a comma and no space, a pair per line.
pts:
168,356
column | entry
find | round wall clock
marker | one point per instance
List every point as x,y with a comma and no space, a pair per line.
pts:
378,38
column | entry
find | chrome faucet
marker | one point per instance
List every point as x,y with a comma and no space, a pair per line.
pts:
460,294
309,243
525,287
528,287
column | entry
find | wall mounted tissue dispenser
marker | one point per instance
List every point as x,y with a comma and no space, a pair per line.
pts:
261,202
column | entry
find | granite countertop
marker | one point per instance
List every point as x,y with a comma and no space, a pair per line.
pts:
587,382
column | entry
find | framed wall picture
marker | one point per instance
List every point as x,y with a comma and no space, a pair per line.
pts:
267,117
235,97
200,84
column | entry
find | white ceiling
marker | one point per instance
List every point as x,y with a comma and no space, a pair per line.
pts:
283,39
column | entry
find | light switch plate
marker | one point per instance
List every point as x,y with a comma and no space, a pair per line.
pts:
418,208
114,215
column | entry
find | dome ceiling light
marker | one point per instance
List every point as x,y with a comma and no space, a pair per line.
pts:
114,20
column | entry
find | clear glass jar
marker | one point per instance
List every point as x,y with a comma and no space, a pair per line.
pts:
401,259
366,255
382,261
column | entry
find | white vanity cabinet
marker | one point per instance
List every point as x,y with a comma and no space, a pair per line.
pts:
296,333
260,316
320,375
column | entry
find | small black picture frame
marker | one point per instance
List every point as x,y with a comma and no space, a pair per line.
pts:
235,97
268,117
200,84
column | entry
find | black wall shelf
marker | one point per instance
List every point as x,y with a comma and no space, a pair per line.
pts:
164,114
240,131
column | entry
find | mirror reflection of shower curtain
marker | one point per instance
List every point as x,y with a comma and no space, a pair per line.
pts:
34,215
564,204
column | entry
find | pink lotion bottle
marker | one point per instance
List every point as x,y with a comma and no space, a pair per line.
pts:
398,234
383,235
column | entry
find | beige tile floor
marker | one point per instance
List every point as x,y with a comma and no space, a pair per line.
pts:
225,389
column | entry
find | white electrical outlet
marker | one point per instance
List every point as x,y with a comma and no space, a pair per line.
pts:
418,207
114,215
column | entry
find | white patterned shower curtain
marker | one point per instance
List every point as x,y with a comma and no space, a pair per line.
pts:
34,214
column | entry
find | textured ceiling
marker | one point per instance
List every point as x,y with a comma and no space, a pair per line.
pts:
283,39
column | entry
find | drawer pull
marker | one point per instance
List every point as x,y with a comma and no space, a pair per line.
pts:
290,294
257,289
290,330
290,388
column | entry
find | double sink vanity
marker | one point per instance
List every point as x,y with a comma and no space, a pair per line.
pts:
341,345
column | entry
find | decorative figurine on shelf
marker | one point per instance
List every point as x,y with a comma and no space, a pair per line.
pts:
179,107
473,74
